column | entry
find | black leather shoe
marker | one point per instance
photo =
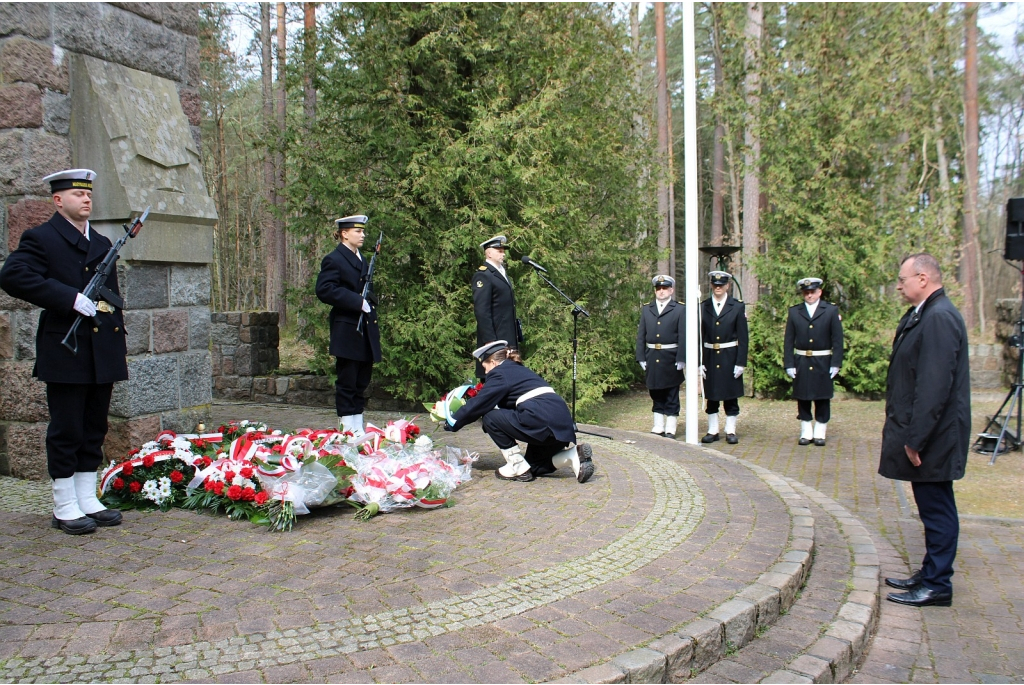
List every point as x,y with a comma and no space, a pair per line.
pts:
922,597
731,438
710,437
524,478
586,457
905,583
75,526
106,517
820,442
670,436
804,441
660,435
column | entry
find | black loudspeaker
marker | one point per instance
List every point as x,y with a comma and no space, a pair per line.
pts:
1014,249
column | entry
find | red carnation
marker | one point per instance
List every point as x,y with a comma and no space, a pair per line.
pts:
207,461
133,452
257,435
221,429
128,469
208,485
218,488
177,476
277,449
246,472
471,392
118,484
199,443
261,498
248,494
148,460
135,486
229,476
235,492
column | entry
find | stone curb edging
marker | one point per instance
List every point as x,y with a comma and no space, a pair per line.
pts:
676,657
731,625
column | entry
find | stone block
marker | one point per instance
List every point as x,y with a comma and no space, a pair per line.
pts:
605,673
281,385
25,18
708,639
856,613
137,326
786,585
24,324
30,61
152,387
739,617
191,105
244,360
196,378
22,397
23,450
115,35
223,333
642,665
766,599
143,286
812,667
124,435
186,420
21,106
218,317
233,318
190,285
856,634
182,16
192,62
785,676
199,328
6,336
227,365
170,330
57,113
678,657
23,215
45,153
147,10
838,654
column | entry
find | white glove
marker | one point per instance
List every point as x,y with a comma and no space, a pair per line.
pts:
643,365
366,306
703,371
737,371
84,306
791,372
680,366
833,371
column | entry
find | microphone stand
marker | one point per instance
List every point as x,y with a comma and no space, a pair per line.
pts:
576,311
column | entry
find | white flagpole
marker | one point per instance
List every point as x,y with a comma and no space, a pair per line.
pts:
692,233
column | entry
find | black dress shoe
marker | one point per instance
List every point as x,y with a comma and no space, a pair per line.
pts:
710,437
106,517
75,526
731,438
905,583
522,478
660,435
804,441
586,456
922,597
820,442
670,436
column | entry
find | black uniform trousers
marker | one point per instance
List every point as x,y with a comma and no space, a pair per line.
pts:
78,425
666,400
350,387
937,507
822,410
503,427
732,407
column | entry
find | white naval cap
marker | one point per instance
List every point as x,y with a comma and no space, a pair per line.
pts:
487,349
71,178
809,283
355,221
496,241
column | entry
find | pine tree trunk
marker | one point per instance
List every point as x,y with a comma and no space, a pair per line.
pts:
970,259
269,177
279,237
663,172
752,149
718,159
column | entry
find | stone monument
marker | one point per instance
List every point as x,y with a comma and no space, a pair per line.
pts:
110,87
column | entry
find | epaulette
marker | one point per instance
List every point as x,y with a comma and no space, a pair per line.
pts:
483,268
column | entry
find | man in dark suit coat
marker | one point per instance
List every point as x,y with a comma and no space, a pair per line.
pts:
928,423
661,351
494,302
52,265
340,284
723,355
812,356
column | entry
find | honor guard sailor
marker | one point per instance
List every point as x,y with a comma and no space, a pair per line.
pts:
660,349
53,263
515,404
812,356
340,283
494,301
723,355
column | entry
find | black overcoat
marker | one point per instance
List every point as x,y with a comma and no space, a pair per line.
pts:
53,263
731,325
340,284
822,332
667,328
928,395
494,305
540,418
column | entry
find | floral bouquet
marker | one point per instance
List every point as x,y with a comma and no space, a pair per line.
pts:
152,476
226,481
445,408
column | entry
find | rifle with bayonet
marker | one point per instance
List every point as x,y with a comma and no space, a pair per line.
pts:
368,287
98,284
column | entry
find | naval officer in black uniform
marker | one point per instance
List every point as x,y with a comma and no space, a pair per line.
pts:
723,355
494,302
813,355
660,349
515,404
340,284
52,265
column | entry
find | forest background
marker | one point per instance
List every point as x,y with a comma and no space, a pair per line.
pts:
832,140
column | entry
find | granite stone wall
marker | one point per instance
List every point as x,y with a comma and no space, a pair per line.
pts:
111,87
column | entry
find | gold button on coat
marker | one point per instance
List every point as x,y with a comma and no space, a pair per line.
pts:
95,330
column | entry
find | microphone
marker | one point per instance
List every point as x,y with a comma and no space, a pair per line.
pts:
535,265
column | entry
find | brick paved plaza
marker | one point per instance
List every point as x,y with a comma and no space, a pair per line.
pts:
760,561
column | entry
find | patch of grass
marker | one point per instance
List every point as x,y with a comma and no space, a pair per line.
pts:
296,354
